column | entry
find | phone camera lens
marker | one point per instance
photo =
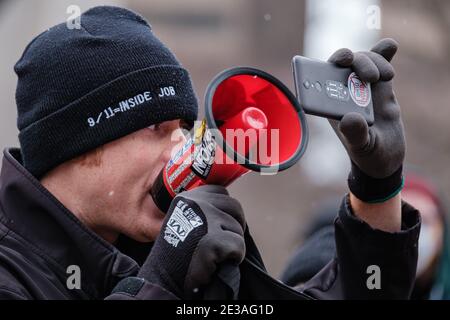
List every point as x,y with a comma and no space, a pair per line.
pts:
318,86
307,84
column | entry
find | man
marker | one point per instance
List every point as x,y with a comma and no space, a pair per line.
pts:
95,130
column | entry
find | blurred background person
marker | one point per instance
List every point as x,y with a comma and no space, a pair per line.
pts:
433,267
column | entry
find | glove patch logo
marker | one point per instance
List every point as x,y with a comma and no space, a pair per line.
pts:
182,221
359,90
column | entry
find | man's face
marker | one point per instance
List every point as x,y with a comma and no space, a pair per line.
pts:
120,176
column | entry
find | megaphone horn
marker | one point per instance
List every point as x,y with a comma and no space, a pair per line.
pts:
252,122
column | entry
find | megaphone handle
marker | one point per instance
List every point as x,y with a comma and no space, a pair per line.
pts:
160,194
225,284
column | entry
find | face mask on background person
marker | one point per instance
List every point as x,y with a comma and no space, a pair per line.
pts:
429,248
431,232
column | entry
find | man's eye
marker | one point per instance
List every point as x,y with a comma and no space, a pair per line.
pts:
155,127
185,125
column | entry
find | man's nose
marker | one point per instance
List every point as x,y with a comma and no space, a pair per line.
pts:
177,140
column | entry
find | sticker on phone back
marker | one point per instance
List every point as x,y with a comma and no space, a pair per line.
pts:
359,90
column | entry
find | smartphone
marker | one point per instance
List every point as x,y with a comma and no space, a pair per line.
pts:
326,90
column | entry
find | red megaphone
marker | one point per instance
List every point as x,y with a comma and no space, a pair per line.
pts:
252,122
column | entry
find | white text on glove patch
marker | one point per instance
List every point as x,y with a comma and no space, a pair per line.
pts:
181,222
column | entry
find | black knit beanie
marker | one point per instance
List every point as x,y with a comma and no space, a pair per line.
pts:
81,88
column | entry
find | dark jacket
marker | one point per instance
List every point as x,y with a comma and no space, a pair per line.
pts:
40,239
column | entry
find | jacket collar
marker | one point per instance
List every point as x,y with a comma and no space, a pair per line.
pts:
32,212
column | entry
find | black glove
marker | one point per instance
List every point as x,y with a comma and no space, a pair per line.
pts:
376,152
204,228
